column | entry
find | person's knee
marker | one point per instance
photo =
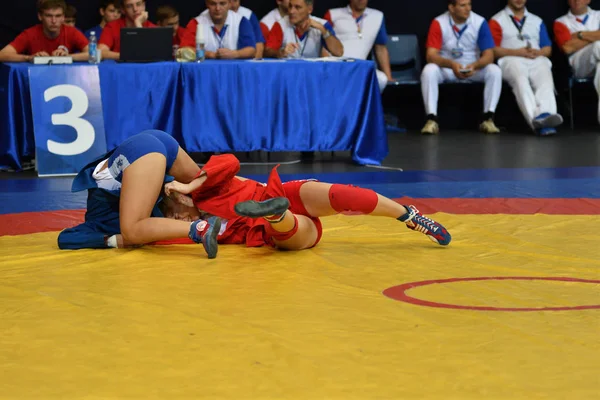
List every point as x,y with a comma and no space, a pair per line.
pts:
352,199
430,71
131,234
493,72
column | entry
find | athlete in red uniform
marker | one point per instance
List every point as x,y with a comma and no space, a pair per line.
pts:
286,215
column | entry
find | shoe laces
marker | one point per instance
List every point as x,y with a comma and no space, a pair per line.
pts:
423,220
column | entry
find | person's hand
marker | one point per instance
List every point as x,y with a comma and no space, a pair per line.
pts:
471,72
226,54
41,54
59,53
176,187
314,24
456,67
390,79
289,49
535,53
139,21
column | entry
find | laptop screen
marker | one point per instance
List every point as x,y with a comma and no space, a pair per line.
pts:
146,44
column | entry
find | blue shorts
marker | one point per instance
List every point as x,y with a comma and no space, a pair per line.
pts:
137,146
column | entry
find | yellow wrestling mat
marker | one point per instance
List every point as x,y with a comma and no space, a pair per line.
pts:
164,322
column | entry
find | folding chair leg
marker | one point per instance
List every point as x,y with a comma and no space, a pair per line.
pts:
571,108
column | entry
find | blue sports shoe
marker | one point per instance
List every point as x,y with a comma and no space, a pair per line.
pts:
206,232
546,132
418,222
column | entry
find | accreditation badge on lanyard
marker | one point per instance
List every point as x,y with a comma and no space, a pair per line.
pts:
458,52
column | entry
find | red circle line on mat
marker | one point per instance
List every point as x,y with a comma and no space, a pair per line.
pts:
399,293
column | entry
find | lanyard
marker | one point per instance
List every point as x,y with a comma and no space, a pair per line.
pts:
518,25
458,33
220,36
305,40
359,24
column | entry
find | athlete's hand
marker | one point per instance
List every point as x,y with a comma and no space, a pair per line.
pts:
176,187
59,53
41,54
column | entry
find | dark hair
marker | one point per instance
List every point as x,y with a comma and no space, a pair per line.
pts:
452,2
122,3
106,3
71,11
43,5
165,12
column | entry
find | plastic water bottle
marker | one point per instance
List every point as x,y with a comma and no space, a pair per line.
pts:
93,49
200,53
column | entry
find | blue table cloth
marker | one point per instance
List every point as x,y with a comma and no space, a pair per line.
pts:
221,106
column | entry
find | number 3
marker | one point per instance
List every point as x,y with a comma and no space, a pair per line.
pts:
85,130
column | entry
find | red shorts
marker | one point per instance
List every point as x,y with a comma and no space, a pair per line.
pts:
292,192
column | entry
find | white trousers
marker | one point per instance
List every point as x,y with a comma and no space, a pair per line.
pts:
382,79
585,63
532,84
433,75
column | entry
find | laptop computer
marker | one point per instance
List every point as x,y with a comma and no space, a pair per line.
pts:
146,44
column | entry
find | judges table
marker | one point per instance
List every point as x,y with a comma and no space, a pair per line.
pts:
221,106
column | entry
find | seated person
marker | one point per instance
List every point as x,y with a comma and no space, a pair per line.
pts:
577,34
134,16
49,38
460,47
300,35
109,11
70,15
522,49
362,29
227,35
250,16
168,16
275,15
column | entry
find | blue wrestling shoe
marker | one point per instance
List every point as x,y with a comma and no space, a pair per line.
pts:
418,222
256,209
206,232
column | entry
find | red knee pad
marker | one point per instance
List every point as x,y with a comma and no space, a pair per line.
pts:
352,199
281,236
